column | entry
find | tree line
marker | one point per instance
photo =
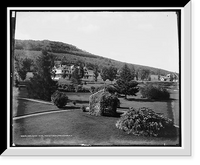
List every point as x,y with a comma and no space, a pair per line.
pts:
42,86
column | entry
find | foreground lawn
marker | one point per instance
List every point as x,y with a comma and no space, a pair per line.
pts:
76,128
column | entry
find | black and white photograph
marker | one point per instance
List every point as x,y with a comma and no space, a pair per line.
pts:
96,78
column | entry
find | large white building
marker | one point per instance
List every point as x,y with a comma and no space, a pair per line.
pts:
68,70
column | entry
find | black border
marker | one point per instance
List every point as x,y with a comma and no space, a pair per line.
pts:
113,10
151,4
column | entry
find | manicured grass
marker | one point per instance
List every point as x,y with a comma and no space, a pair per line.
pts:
76,128
24,107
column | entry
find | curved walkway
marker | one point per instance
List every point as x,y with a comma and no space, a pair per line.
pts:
40,113
43,112
38,101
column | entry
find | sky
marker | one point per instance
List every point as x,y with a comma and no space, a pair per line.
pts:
144,38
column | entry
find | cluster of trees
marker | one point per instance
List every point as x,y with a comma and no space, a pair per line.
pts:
108,73
22,66
42,86
112,73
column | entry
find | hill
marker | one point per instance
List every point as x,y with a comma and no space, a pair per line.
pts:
32,48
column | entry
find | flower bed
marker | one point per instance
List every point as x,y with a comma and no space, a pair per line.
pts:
146,122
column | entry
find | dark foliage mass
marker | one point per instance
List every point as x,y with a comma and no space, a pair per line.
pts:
59,99
154,92
146,122
109,103
41,85
125,83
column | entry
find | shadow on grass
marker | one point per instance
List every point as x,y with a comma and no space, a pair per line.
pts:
171,132
80,101
149,100
69,107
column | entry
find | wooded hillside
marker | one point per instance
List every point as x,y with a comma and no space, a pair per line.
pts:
32,48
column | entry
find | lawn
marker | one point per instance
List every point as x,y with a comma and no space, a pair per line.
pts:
169,108
75,128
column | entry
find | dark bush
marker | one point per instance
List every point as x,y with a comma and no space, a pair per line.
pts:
66,87
83,108
154,92
108,104
92,89
59,99
145,121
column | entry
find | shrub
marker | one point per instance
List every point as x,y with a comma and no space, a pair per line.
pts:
66,87
92,89
145,121
108,104
103,104
83,108
154,92
59,99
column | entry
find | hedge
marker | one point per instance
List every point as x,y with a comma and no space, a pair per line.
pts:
154,92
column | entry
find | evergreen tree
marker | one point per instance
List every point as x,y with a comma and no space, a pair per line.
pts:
96,72
24,66
42,86
125,84
104,73
125,73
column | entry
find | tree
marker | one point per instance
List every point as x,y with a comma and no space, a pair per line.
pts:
133,72
64,61
137,75
96,72
24,67
158,74
80,65
76,77
171,78
145,74
112,72
104,73
124,84
41,85
125,73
